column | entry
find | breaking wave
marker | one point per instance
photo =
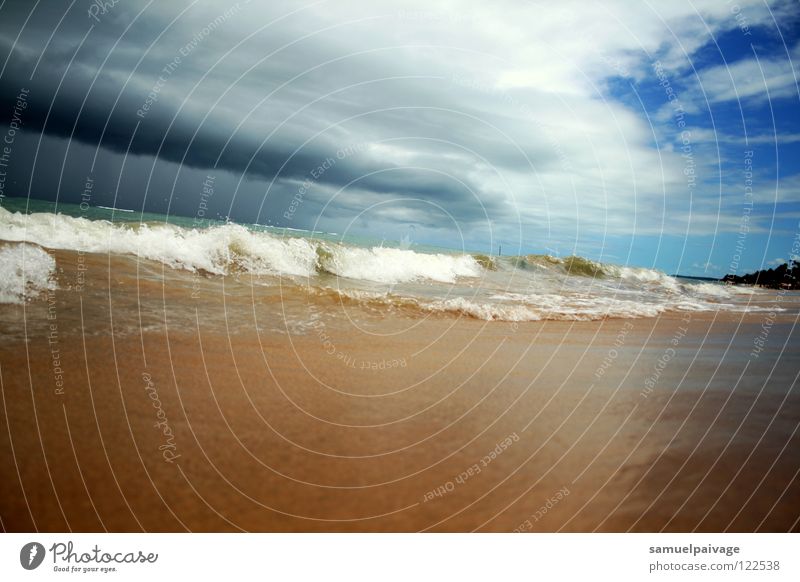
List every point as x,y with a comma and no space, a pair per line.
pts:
525,288
229,248
516,307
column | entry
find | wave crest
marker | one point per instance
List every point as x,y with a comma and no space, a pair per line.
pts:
25,271
229,248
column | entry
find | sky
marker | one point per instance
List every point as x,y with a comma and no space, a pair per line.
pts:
663,135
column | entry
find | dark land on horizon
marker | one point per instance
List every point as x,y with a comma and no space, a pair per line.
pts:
781,277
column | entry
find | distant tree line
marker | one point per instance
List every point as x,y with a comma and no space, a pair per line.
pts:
782,277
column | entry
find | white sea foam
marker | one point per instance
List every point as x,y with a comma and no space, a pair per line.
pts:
478,310
710,289
25,271
116,209
389,265
552,308
215,250
221,249
736,290
647,276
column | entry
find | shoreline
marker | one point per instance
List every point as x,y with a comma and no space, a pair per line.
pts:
266,429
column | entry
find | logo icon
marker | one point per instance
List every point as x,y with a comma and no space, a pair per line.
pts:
31,555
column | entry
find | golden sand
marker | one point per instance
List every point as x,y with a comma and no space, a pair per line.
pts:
218,405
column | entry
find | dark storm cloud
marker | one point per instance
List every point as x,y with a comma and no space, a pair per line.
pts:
496,113
174,97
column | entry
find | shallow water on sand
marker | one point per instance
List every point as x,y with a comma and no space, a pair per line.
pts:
139,396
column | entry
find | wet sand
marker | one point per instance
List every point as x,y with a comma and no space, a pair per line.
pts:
191,403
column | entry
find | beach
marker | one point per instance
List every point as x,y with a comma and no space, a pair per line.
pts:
140,397
304,270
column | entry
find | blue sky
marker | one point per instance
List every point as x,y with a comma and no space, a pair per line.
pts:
542,127
753,131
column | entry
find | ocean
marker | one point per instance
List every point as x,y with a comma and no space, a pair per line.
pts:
393,274
159,374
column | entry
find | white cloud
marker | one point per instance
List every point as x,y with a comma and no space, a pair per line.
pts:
706,267
787,190
701,134
754,77
514,94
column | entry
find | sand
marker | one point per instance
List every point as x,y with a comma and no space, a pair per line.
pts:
190,403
